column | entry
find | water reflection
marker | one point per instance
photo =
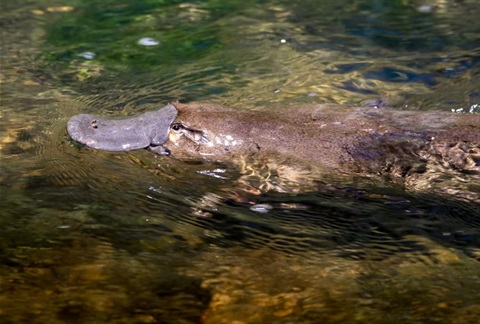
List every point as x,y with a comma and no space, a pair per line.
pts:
88,236
300,48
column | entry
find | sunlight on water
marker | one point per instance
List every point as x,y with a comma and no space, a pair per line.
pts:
130,237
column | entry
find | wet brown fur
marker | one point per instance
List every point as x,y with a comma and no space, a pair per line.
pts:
336,138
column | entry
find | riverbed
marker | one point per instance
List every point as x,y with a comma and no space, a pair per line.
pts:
100,237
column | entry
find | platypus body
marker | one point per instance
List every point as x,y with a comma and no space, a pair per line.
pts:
331,138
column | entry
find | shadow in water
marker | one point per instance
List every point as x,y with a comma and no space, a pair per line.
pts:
349,223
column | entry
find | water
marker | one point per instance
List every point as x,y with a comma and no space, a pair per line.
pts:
94,237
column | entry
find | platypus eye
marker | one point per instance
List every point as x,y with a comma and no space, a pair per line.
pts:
195,135
177,126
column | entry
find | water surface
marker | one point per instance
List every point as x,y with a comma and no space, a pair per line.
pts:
95,237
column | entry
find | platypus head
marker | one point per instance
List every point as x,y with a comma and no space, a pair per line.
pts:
208,130
185,130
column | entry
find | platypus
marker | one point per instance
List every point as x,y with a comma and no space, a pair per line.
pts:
361,140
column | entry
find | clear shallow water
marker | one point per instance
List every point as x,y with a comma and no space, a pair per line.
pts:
90,236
